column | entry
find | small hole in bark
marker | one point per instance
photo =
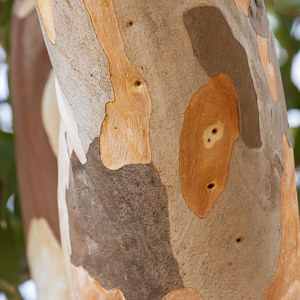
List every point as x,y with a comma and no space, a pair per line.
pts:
239,239
137,83
210,186
129,23
208,140
91,75
116,127
214,131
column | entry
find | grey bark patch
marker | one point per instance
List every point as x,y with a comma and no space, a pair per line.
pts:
258,17
278,165
280,124
119,227
218,51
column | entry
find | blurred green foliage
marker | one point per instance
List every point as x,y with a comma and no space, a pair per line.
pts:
5,17
13,265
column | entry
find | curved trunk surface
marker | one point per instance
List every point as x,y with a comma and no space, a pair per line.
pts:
176,173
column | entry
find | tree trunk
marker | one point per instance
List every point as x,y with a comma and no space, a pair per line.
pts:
37,168
36,162
176,173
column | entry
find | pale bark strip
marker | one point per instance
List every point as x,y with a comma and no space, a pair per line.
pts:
46,262
50,113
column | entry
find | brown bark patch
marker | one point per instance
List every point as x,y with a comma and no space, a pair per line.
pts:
218,51
119,227
258,17
242,6
286,282
46,13
183,294
210,128
263,48
36,163
124,137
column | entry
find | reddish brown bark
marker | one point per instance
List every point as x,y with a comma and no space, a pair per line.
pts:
36,163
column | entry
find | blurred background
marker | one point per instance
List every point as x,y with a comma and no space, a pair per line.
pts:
15,282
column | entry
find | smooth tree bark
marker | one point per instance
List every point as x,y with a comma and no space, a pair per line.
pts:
31,79
176,173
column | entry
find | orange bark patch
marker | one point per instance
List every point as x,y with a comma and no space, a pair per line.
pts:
263,48
124,137
242,6
183,294
286,282
87,287
46,13
202,4
210,128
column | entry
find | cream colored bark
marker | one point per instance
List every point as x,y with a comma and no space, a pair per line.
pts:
50,113
46,262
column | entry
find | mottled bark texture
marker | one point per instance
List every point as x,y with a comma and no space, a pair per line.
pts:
131,204
135,229
36,163
202,26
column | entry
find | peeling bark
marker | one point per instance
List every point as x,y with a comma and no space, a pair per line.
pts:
46,262
135,223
